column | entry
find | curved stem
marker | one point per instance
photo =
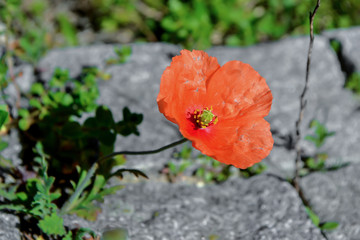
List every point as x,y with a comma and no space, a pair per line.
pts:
143,152
303,101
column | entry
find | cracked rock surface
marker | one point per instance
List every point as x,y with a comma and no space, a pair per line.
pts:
262,207
335,196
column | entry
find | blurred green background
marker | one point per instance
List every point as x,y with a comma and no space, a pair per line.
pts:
44,24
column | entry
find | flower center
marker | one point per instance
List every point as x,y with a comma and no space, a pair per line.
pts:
204,118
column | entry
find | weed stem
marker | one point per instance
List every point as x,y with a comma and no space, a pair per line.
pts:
303,100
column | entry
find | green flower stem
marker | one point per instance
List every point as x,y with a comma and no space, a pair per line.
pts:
142,152
81,186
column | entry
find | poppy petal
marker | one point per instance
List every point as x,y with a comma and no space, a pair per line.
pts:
235,95
237,87
184,82
254,142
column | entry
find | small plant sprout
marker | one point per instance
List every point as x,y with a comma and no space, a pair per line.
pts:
320,133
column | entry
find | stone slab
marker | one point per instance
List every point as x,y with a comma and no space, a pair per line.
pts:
335,196
259,208
350,46
8,227
282,63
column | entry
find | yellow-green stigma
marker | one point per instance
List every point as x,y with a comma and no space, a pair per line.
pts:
204,118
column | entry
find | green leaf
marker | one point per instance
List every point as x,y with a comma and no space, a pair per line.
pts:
52,225
24,124
68,236
123,53
83,231
111,190
35,103
19,208
184,166
90,123
23,112
107,137
119,160
72,130
314,218
37,88
3,145
104,116
67,100
68,30
116,234
89,212
329,225
3,117
172,168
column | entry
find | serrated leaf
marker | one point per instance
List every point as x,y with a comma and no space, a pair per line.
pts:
19,208
22,196
54,196
329,225
52,225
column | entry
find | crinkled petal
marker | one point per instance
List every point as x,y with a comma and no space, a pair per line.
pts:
240,99
253,143
183,83
237,88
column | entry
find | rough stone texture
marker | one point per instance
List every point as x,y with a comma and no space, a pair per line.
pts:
350,50
8,227
134,84
260,208
243,209
282,63
335,196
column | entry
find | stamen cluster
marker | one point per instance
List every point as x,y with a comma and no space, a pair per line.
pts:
204,118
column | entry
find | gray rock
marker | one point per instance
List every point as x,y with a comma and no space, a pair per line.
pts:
350,47
335,196
260,208
8,227
134,84
282,63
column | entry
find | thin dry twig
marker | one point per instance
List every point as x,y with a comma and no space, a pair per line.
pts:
303,100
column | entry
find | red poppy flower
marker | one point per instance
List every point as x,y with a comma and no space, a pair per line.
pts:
220,109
